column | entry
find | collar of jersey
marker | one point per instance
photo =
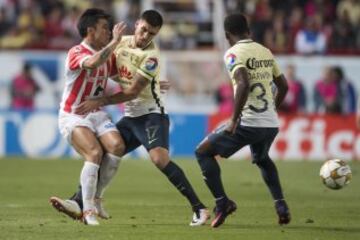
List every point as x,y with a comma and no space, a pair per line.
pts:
132,43
248,40
87,46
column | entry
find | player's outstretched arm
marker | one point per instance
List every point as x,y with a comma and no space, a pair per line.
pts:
103,55
282,88
126,95
242,91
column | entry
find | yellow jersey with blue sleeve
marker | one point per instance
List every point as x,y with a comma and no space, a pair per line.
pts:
144,61
259,110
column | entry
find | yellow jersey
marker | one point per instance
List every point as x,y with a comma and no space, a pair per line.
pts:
130,61
259,110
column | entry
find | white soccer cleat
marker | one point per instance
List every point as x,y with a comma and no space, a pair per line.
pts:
68,207
200,217
89,218
100,209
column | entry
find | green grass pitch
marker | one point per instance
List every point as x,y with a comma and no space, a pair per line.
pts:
144,205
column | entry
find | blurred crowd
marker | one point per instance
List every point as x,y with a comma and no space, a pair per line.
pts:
304,26
51,24
288,26
333,93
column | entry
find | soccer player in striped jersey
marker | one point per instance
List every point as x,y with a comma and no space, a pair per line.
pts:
252,70
92,134
146,121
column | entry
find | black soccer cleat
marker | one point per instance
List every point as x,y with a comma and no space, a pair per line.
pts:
283,212
221,212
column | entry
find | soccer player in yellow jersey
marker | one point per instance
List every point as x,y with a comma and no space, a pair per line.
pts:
146,121
252,69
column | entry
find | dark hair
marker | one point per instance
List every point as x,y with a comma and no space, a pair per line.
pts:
90,18
27,66
152,17
236,24
339,72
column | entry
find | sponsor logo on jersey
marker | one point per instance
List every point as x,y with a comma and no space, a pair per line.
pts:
125,73
253,63
230,60
151,64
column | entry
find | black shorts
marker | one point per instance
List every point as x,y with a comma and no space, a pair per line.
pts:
150,130
260,139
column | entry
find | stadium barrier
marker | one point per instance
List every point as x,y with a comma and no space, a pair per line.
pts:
302,137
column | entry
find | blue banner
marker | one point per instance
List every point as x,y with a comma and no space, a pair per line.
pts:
36,134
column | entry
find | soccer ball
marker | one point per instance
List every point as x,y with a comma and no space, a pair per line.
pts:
335,174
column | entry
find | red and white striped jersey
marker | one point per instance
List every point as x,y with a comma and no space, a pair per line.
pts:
82,83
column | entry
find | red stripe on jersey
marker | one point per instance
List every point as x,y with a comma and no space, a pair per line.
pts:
74,91
87,91
112,69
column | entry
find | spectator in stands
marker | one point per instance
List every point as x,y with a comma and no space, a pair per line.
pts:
310,40
295,24
277,38
347,91
5,24
350,8
24,89
327,93
295,100
343,38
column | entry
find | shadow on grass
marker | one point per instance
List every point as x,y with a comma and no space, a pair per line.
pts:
293,227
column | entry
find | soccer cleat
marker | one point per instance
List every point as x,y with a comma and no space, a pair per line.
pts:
200,217
100,209
221,212
283,212
89,218
69,207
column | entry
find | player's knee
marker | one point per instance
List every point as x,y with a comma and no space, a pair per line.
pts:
201,153
95,155
263,162
117,148
159,160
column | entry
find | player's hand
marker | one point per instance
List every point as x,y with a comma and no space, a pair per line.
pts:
118,31
88,106
164,86
231,126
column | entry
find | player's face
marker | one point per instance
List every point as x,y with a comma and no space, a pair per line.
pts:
102,33
144,33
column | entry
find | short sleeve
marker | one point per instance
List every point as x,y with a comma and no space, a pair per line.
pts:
276,70
232,62
149,67
77,56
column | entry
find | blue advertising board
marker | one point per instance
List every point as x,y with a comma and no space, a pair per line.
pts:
36,134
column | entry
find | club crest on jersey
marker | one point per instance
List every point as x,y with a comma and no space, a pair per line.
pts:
230,60
125,73
151,64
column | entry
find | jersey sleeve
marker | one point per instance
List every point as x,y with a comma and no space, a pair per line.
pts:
149,67
113,68
276,69
77,56
232,62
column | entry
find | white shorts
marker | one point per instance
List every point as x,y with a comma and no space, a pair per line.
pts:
98,122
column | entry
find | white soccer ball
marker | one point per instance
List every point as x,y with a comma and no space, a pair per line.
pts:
335,174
